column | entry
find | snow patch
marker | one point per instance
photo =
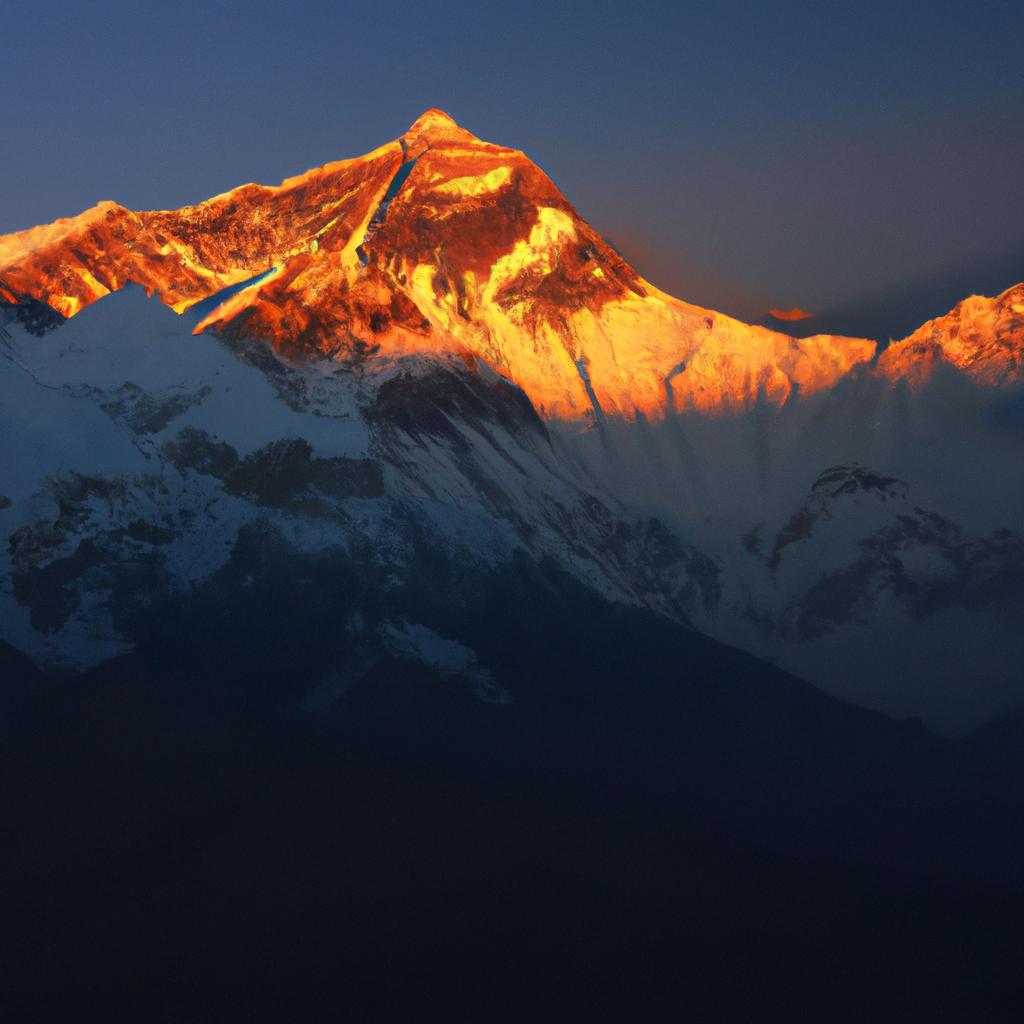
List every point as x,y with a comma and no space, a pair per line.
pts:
449,657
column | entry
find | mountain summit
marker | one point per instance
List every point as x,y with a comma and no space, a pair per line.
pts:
433,127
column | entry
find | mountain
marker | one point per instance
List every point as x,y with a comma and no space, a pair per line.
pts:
982,337
399,594
439,315
437,242
920,609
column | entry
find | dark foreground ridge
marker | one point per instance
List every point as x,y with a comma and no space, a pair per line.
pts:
654,826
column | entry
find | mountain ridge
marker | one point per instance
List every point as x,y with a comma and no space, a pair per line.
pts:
981,336
476,252
519,280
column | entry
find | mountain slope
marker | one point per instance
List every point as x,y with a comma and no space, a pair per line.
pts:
139,453
187,255
670,823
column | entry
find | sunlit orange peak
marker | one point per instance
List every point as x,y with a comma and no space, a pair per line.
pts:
439,243
431,118
981,337
433,127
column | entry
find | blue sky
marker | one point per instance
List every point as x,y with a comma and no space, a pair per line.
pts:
842,157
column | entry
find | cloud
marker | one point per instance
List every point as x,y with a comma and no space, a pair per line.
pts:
796,313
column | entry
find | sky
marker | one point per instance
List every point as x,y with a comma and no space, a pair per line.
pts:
861,161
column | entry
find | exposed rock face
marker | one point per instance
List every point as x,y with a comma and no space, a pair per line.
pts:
858,539
982,337
186,255
436,243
